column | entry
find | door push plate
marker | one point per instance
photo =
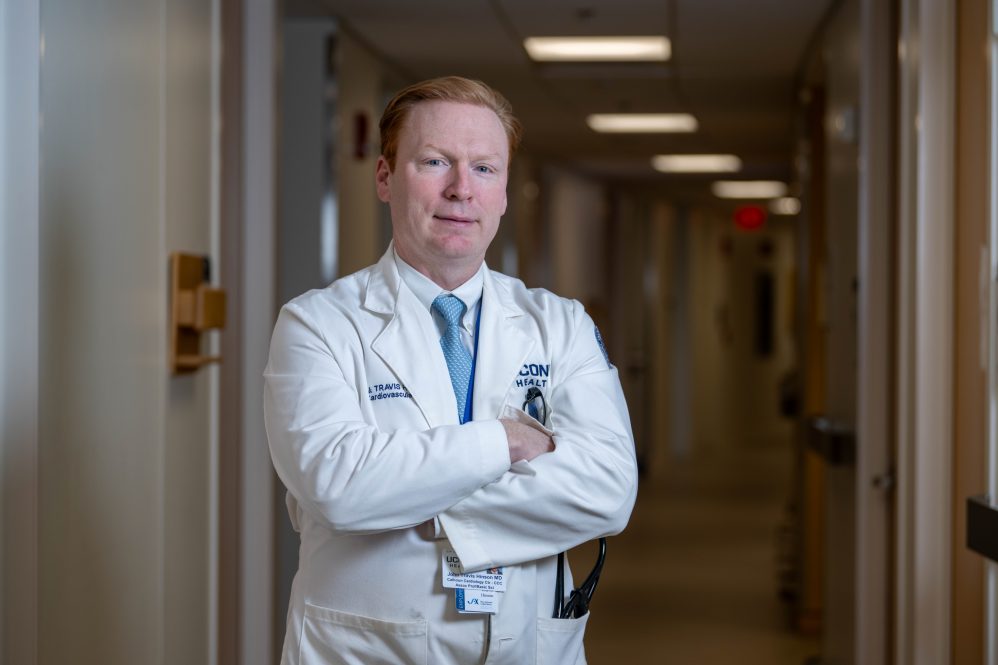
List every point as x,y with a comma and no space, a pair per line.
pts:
195,307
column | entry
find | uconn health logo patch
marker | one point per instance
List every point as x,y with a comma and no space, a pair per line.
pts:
533,374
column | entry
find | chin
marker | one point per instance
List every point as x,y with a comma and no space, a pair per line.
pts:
456,248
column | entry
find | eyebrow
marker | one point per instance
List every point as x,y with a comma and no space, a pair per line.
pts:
490,155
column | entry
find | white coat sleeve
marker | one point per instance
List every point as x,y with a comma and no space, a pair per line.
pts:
582,490
343,470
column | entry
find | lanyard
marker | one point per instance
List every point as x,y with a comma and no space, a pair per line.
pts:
466,417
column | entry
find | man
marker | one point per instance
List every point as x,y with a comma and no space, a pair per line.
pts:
395,412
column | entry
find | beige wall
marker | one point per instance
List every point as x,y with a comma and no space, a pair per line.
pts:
841,60
736,392
666,417
124,487
576,219
360,91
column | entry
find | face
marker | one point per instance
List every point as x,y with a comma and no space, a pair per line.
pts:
448,189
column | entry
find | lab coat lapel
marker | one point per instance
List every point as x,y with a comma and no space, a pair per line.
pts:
503,346
409,345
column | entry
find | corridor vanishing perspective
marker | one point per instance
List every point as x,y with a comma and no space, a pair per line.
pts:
810,372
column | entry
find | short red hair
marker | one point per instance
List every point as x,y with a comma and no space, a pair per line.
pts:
445,89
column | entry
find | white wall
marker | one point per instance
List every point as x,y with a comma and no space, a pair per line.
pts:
576,216
19,61
259,311
124,167
302,171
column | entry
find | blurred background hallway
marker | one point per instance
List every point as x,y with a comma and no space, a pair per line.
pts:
793,261
694,578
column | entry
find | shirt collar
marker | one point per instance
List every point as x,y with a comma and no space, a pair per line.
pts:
426,290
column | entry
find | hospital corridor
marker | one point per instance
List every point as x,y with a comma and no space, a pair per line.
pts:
773,228
698,566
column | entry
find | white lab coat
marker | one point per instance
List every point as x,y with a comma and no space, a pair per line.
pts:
364,432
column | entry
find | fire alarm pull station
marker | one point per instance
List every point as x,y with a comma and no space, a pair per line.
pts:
195,307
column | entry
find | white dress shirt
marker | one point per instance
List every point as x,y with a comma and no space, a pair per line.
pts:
426,291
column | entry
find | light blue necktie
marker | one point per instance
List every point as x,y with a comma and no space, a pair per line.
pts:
451,308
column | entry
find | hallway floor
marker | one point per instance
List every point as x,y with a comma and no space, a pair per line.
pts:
692,581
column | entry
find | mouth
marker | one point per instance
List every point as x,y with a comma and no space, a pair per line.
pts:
457,219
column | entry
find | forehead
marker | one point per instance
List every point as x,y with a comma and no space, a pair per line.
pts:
453,125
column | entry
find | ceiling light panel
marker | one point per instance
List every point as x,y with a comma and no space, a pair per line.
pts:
642,122
749,189
696,163
786,205
598,49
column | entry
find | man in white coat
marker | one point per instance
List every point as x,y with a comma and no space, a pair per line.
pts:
434,421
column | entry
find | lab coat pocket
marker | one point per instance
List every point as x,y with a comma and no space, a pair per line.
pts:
519,415
559,641
331,637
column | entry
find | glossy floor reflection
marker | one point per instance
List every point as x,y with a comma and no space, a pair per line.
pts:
693,579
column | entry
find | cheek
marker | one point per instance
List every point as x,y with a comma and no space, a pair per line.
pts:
497,203
420,195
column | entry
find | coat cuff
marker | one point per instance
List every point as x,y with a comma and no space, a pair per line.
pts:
460,528
494,448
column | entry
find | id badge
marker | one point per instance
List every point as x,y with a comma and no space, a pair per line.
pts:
473,601
474,593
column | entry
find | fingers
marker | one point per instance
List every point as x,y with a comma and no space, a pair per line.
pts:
525,442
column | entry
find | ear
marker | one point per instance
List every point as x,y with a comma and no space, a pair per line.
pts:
382,178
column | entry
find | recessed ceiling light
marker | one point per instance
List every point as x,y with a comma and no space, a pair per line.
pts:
696,163
749,189
642,122
598,49
787,205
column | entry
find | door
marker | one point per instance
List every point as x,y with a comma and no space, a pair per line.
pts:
112,463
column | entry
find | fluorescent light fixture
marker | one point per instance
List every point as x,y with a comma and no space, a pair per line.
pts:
598,49
749,189
642,122
787,205
696,163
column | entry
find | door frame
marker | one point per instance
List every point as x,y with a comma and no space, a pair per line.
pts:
20,66
923,584
248,202
875,387
989,616
971,298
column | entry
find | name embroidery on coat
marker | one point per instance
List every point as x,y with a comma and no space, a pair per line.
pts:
387,391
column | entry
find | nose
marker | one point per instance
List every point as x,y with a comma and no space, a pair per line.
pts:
459,187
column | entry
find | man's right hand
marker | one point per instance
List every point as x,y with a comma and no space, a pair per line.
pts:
525,442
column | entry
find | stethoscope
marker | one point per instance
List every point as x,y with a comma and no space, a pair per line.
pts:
535,405
578,601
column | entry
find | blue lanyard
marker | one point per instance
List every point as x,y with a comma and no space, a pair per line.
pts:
474,361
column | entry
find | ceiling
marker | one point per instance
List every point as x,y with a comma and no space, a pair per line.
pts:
733,66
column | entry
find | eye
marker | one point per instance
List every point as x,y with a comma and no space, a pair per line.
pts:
434,161
484,168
